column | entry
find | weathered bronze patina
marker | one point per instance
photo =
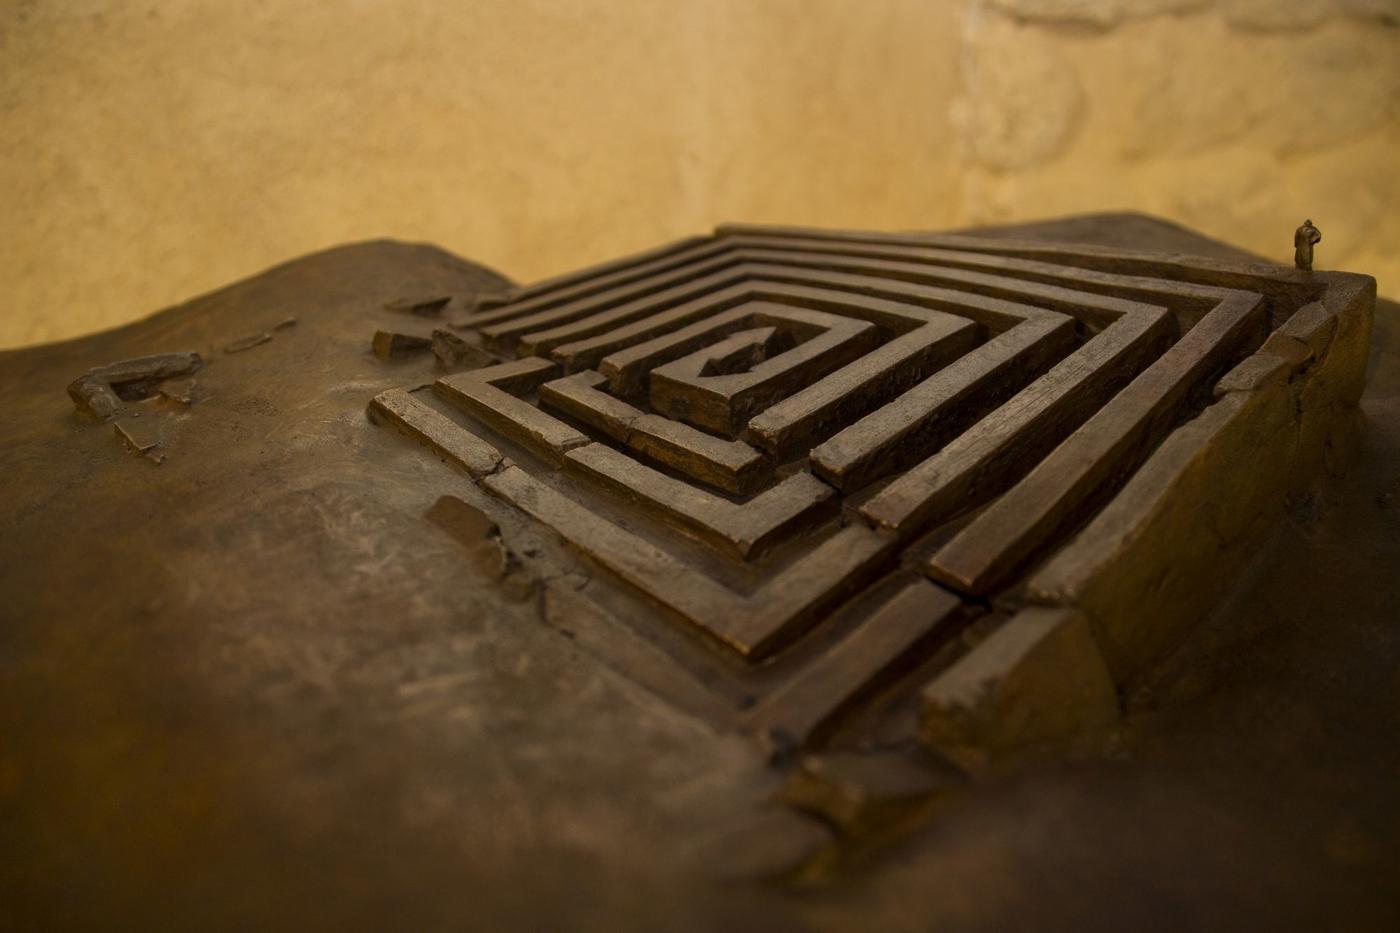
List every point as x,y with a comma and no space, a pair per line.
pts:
1304,239
921,574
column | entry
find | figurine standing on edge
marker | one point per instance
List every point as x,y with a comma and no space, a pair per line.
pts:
1304,238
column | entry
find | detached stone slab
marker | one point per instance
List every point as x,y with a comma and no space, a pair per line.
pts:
99,392
141,436
476,531
1036,681
864,793
434,429
389,345
420,305
248,342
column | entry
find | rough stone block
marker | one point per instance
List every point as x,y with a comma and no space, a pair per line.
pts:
1037,680
1148,566
1327,394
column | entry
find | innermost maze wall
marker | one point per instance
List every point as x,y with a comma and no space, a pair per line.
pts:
151,152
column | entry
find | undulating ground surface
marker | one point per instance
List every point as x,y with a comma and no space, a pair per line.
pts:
252,686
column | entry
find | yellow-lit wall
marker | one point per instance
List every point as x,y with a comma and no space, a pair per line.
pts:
152,151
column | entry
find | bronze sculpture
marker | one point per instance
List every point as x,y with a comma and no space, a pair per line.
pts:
771,549
1304,239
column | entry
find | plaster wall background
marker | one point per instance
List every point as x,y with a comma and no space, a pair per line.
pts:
153,151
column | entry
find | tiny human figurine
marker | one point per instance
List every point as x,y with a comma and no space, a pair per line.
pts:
1303,240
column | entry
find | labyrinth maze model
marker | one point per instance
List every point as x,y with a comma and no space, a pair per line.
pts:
847,492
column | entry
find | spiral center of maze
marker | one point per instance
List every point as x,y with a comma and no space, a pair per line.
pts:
922,419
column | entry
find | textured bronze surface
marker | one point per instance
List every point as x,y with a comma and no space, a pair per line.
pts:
969,404
927,573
